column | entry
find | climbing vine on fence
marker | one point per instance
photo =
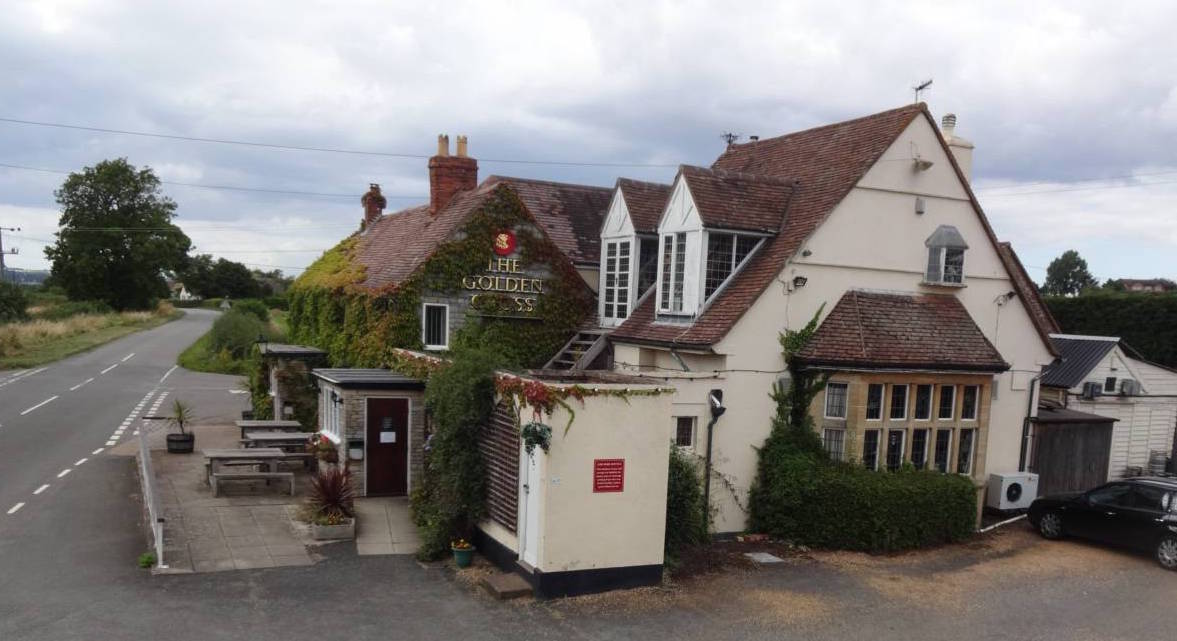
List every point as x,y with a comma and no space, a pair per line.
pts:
359,326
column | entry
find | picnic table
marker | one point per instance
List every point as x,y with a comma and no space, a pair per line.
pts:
267,456
269,425
280,440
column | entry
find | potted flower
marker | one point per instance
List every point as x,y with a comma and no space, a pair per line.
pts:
332,504
323,449
181,417
463,552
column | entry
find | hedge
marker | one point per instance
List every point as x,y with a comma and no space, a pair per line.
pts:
1144,321
845,506
13,302
685,523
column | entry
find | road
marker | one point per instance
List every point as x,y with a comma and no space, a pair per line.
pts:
67,557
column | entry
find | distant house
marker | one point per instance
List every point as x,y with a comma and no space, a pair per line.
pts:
180,292
1101,375
1151,285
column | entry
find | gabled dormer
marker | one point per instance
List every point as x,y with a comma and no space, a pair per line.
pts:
713,224
629,248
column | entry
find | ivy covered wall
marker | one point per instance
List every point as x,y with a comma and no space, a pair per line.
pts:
359,326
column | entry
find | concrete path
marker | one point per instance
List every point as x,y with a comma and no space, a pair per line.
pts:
385,526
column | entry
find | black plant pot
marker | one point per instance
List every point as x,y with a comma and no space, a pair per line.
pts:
181,443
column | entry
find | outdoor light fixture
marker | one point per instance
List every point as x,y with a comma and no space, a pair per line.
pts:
799,281
335,397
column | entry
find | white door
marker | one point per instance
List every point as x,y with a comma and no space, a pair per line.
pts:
529,494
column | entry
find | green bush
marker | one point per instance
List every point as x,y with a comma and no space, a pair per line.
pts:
252,306
74,308
452,498
845,506
277,302
1144,321
685,521
13,302
235,333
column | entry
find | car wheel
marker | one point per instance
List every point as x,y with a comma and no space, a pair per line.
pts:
1167,553
1050,526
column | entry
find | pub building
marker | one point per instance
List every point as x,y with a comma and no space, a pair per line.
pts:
931,333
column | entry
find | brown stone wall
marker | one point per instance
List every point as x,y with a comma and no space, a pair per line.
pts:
354,405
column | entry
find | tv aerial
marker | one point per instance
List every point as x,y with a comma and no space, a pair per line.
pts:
921,87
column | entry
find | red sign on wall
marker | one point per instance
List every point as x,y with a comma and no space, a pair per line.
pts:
609,475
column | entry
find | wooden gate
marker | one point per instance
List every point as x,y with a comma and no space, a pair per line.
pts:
1071,457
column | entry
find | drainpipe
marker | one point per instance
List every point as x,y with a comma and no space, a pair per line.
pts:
715,402
1024,453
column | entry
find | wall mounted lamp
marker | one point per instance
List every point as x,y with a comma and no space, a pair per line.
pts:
799,281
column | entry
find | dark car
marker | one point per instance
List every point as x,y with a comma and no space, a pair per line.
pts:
1139,513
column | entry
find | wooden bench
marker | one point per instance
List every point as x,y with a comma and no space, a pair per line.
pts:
218,477
223,464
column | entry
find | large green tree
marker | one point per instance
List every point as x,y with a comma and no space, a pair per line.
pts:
1067,275
116,236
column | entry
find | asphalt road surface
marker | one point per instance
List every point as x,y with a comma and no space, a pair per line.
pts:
67,557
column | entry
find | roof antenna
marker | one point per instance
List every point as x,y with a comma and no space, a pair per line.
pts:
920,88
729,137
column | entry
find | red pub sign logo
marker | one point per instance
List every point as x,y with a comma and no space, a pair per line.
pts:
609,475
504,243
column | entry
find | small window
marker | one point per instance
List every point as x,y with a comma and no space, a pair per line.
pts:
919,448
616,291
943,447
870,449
684,431
895,442
874,402
680,267
835,442
1150,498
836,400
1109,384
947,402
923,402
964,453
968,402
946,249
725,252
436,330
647,264
898,402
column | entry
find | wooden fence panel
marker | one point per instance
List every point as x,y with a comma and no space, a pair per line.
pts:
1071,457
499,444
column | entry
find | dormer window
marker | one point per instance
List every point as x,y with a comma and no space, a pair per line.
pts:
617,272
725,252
674,265
946,248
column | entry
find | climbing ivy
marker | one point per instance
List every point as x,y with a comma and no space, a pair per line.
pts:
359,326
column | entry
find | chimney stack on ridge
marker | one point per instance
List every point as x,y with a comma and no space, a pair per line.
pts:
448,174
961,149
373,203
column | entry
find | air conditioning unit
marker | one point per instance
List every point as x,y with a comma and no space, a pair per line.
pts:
1092,390
1129,387
1015,491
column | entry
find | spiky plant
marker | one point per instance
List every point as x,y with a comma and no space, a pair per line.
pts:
332,493
182,415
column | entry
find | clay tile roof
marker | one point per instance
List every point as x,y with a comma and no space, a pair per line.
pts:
826,162
1044,322
571,215
396,244
645,202
734,200
901,331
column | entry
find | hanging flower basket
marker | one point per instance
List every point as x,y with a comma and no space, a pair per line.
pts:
536,434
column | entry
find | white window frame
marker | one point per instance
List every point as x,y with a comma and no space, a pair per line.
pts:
425,325
902,448
928,435
331,427
878,446
940,397
668,271
736,265
882,401
935,436
942,262
845,398
891,401
694,431
976,403
618,282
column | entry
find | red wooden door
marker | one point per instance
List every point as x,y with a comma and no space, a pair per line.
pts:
387,465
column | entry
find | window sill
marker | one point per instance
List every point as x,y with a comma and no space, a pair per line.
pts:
929,283
436,348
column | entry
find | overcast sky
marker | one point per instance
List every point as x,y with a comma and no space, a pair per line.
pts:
1073,108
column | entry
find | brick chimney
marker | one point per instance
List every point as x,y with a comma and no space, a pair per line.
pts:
373,203
961,149
448,174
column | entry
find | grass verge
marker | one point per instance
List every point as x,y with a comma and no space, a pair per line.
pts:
36,342
201,356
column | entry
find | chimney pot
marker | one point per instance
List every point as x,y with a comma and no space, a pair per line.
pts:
461,146
443,145
373,203
948,125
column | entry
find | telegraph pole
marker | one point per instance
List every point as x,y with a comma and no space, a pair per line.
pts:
3,252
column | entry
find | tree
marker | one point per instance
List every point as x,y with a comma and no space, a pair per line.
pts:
116,237
197,276
234,280
1067,275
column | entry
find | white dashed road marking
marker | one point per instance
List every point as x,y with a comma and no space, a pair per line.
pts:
80,461
110,443
127,357
168,373
96,452
41,404
13,509
109,368
64,472
41,489
75,387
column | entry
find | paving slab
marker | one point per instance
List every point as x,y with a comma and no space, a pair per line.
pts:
385,526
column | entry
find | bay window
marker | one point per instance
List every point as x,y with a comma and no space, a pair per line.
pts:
946,249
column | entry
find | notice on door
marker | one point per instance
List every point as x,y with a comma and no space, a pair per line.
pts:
609,475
